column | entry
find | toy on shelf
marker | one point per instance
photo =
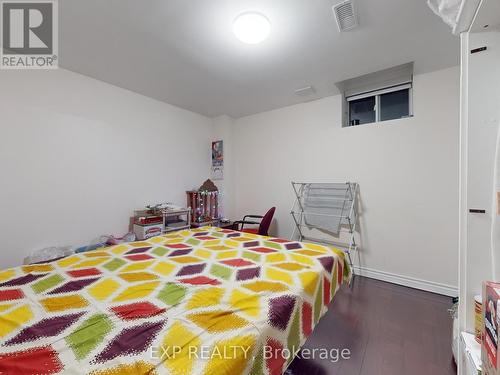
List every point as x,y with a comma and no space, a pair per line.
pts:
204,203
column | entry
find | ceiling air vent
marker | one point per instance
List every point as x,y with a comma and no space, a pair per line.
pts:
305,91
345,16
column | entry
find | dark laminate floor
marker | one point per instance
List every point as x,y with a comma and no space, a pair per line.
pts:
389,329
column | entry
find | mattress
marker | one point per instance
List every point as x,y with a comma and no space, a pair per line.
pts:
204,301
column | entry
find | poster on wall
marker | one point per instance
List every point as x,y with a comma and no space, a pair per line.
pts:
217,160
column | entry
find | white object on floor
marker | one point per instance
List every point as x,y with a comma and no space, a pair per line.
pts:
470,354
143,232
48,253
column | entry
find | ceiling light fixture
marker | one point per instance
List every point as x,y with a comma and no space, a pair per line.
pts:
251,27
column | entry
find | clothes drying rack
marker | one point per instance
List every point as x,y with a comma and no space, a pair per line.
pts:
331,209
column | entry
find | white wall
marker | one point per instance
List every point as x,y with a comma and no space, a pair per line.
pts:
407,170
78,155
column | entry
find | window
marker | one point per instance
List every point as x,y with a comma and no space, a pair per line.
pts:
380,96
394,105
362,111
382,105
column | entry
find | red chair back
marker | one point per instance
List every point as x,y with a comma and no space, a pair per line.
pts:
266,222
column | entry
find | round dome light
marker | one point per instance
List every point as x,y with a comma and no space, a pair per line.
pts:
251,27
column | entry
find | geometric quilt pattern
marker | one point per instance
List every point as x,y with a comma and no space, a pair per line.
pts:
202,301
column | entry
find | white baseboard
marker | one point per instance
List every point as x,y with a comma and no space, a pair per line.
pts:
411,282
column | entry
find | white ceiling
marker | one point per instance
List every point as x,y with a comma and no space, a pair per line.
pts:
183,52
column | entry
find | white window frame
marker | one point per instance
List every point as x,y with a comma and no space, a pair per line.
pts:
376,94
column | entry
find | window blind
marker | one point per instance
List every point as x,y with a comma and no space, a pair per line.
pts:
376,83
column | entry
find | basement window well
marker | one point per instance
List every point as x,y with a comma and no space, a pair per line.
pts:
376,97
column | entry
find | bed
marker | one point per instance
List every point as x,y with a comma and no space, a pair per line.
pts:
203,301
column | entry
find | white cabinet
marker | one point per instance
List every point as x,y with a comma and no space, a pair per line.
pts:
480,120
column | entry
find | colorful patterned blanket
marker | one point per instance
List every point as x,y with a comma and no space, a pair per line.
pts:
205,301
